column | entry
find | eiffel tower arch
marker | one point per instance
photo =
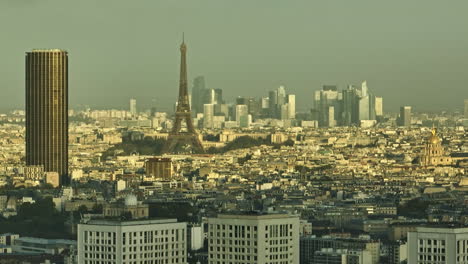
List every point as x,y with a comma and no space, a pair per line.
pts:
180,141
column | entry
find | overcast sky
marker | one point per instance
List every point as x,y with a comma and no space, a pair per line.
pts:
411,52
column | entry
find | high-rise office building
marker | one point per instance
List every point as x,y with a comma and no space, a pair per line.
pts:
265,102
198,93
133,107
364,106
284,112
350,106
291,106
466,108
47,111
273,102
140,241
242,115
253,105
218,96
281,96
212,96
323,100
378,106
404,119
208,114
437,245
253,238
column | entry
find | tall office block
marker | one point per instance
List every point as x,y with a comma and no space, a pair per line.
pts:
378,106
47,111
133,107
253,238
466,108
364,106
291,106
208,114
350,107
265,102
242,115
405,116
323,100
198,93
141,241
281,96
331,116
273,102
284,113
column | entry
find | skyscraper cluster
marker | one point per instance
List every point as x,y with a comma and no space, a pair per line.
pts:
281,105
213,112
351,106
202,95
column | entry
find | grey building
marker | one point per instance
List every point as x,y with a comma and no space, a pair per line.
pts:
404,119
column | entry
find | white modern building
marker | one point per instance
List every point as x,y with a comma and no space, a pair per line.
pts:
133,107
144,241
438,245
253,238
291,106
378,106
242,115
208,114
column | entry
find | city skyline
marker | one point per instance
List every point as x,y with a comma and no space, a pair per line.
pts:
145,66
300,132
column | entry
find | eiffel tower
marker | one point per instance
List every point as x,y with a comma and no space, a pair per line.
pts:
180,141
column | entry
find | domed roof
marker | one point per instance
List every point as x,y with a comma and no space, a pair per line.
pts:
131,200
433,138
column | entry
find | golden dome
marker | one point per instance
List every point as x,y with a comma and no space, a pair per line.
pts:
433,138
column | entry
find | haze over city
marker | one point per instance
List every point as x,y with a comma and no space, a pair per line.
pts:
233,132
410,52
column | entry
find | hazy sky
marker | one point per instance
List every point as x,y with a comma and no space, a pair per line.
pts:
411,52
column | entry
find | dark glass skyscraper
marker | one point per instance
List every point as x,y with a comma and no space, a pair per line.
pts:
198,93
47,111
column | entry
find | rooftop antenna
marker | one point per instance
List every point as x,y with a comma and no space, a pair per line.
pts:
183,37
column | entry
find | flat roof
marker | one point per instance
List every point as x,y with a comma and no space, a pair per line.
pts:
44,241
255,215
445,229
116,222
9,234
48,50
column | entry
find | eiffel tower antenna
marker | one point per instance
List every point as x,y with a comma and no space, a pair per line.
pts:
180,141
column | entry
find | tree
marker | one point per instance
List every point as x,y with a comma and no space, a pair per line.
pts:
126,216
97,209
